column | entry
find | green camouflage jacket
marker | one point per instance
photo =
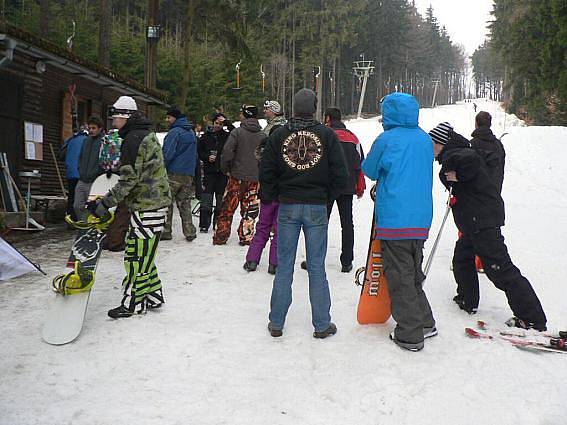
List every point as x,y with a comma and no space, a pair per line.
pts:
143,183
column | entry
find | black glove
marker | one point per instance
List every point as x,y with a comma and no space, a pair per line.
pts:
97,208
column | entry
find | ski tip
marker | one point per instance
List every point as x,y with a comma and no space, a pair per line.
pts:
473,333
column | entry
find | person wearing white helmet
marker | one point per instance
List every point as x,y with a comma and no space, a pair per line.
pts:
144,188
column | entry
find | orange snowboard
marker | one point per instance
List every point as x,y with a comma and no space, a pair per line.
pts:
374,303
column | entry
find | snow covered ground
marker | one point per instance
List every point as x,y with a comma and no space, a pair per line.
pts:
207,357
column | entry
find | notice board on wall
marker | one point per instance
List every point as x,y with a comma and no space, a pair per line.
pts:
33,141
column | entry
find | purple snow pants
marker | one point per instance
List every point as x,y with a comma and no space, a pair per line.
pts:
268,220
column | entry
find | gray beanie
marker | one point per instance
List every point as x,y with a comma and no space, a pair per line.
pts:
305,102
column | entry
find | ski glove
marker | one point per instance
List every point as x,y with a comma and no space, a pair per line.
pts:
97,208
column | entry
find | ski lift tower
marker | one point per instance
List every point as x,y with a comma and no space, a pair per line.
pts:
362,69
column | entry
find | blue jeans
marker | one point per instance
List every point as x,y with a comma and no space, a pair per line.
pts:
313,220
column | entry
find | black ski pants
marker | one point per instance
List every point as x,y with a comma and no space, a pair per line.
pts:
215,184
344,203
489,245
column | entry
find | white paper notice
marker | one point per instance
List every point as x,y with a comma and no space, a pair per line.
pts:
30,150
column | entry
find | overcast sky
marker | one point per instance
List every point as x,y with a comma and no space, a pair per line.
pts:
465,20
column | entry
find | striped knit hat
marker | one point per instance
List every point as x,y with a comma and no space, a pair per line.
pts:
440,134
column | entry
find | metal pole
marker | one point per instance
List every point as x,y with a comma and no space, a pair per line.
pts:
434,248
362,94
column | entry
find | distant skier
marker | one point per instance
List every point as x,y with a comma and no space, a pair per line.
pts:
479,215
401,161
302,167
144,188
474,106
180,156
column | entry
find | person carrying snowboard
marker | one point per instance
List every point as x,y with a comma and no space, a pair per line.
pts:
479,215
401,162
144,188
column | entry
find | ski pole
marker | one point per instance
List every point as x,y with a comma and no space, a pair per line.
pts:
434,248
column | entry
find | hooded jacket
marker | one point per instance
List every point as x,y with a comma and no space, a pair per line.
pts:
479,204
401,161
143,183
302,163
238,157
484,140
180,148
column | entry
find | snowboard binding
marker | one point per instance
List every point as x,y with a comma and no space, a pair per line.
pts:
77,281
92,222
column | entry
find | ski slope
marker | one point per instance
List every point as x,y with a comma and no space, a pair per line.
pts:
207,357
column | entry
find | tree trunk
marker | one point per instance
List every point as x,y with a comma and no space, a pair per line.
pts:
104,33
182,100
44,18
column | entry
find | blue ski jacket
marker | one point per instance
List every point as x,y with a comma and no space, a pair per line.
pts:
71,149
180,148
401,161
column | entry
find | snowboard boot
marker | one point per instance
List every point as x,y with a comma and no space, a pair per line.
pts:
191,238
304,265
250,266
272,269
203,230
120,312
331,330
152,305
346,268
410,346
463,306
515,322
429,332
275,333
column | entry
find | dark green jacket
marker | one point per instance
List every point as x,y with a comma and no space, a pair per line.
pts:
89,162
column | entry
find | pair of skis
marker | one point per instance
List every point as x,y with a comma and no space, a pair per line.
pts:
520,338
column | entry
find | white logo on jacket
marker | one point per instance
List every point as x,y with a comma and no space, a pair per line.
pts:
302,150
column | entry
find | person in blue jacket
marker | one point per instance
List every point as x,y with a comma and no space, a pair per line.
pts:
180,155
401,162
70,152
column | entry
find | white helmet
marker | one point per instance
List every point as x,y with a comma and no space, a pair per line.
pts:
124,107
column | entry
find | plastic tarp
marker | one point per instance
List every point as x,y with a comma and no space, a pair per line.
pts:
12,262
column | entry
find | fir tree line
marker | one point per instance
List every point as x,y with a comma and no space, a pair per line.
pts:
291,41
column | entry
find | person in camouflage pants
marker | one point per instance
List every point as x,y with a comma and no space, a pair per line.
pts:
144,188
180,156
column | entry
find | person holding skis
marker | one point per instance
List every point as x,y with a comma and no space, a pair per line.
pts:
210,148
240,165
144,187
180,156
268,221
401,162
479,215
89,165
303,167
485,141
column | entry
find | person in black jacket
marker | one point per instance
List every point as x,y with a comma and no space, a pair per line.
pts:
483,139
209,149
303,167
355,184
479,215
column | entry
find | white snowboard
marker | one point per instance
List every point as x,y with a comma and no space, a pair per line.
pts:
66,313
